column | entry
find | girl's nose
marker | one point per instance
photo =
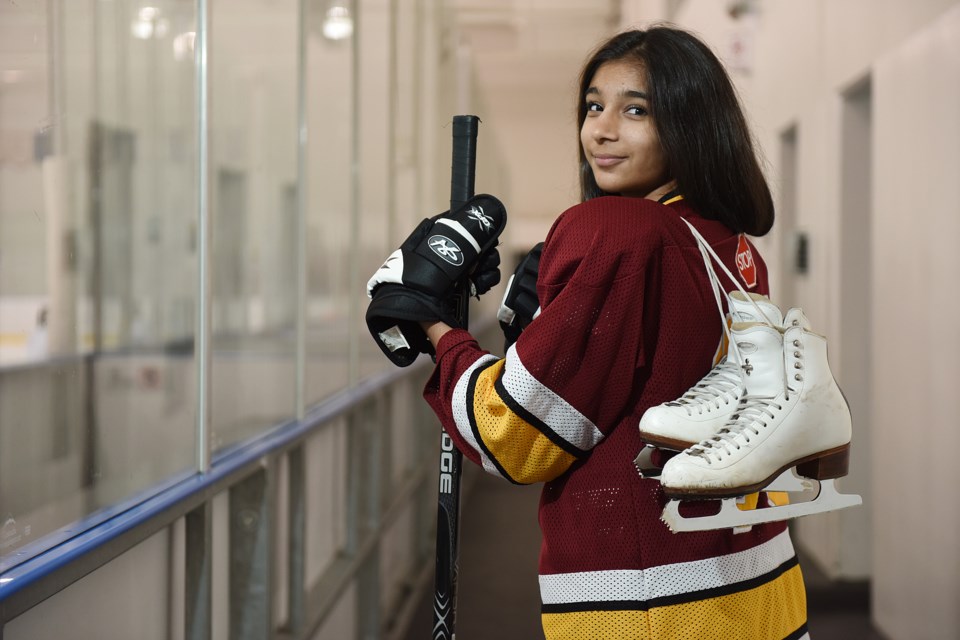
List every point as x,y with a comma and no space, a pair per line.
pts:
604,127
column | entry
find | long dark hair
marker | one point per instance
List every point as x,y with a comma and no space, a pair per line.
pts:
702,130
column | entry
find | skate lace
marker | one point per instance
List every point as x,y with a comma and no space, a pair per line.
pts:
752,415
709,257
718,388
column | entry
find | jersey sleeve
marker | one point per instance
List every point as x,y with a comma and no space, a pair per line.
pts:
575,370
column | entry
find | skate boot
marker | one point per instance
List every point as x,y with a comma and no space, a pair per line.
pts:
705,408
792,414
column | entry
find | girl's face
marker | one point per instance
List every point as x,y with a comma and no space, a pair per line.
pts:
618,135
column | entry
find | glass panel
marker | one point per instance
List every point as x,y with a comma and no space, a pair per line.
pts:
253,178
375,163
97,257
330,255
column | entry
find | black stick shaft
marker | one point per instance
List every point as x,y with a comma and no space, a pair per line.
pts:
462,174
464,167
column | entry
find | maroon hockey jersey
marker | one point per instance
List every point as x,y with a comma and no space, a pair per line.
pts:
627,321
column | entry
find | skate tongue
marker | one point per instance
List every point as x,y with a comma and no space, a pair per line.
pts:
761,356
756,308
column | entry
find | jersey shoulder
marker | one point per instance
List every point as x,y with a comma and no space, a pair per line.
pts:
612,218
603,238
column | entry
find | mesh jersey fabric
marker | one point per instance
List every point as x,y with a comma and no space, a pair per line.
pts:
627,321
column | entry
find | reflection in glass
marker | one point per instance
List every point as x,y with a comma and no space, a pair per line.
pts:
337,23
253,184
329,193
97,262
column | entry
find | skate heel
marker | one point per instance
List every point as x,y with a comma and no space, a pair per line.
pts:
832,463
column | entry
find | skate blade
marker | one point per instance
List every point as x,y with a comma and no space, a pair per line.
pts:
731,517
645,465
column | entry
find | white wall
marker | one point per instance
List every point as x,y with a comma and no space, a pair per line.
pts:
889,71
139,584
915,303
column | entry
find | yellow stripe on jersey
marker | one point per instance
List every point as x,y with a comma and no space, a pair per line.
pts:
463,419
590,625
776,498
775,610
519,449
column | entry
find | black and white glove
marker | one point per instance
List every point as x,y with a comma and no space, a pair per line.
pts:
486,275
417,281
520,304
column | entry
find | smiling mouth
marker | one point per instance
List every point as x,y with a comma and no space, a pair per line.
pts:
607,160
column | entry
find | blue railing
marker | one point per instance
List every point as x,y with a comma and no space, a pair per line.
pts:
36,572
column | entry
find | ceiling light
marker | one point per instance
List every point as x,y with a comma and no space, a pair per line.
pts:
338,23
142,29
183,45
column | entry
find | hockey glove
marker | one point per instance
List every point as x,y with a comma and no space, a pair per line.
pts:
520,304
487,274
416,282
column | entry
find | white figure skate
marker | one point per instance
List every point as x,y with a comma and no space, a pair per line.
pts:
792,415
704,408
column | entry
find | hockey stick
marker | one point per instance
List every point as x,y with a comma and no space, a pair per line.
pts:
462,174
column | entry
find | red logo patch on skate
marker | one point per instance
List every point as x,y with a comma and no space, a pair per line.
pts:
745,263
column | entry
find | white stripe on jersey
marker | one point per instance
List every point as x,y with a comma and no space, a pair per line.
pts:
461,415
555,412
666,580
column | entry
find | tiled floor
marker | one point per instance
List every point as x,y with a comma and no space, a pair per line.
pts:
498,592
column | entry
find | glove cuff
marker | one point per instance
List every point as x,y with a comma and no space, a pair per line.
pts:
394,316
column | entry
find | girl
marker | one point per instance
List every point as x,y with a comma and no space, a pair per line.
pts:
628,321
